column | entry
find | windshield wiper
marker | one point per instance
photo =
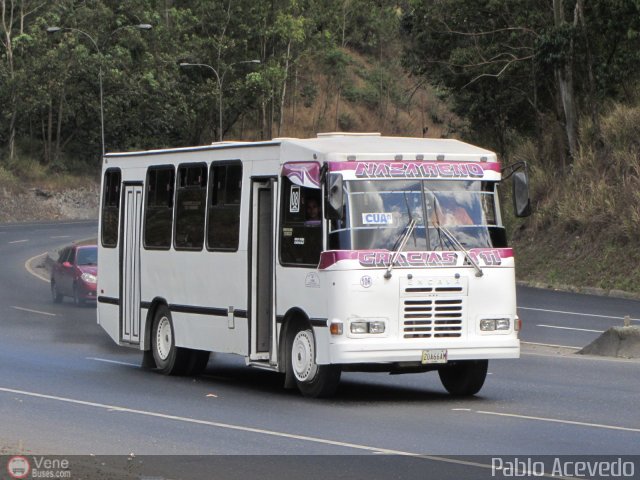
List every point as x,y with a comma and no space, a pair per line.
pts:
453,239
402,242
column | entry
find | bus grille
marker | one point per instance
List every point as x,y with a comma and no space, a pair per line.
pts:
437,318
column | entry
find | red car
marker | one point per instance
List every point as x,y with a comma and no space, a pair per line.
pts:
75,274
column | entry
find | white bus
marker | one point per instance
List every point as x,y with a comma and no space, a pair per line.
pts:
312,256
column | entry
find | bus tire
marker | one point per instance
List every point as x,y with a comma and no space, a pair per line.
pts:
464,378
170,360
198,360
313,380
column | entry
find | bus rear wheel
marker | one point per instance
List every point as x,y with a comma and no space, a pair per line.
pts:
170,360
198,360
313,380
464,378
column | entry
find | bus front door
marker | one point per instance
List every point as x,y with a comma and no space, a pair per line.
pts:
262,269
130,264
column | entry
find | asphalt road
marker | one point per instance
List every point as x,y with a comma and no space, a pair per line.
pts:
66,389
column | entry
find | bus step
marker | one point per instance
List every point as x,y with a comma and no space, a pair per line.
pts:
263,365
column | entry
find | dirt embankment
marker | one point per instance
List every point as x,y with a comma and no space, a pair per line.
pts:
36,204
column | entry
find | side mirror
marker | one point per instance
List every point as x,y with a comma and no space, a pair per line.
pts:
521,201
66,265
335,196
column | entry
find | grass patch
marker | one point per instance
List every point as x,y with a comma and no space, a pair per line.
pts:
25,172
586,221
8,181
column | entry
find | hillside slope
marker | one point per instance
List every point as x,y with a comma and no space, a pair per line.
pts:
585,229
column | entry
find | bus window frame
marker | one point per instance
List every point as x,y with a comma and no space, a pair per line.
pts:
103,207
282,205
165,166
175,205
223,163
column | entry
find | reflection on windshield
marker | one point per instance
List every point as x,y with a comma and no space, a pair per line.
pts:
378,211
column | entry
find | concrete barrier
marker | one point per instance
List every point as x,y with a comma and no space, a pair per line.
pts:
621,342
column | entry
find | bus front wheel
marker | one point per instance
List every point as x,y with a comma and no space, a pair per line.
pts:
313,380
464,378
170,360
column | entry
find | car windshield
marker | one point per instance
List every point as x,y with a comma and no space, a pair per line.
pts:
377,212
87,256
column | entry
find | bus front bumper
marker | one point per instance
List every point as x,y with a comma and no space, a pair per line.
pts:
363,353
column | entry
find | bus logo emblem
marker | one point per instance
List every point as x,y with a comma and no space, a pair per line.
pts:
312,280
18,467
366,281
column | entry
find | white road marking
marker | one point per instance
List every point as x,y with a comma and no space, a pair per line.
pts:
576,313
117,362
27,266
61,236
34,311
558,420
571,328
229,426
551,345
19,241
53,224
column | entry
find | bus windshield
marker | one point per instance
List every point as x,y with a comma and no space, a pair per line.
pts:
377,212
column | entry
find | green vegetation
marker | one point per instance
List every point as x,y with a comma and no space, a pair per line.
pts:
586,227
274,68
553,82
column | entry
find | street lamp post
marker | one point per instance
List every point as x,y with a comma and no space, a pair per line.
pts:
142,26
219,81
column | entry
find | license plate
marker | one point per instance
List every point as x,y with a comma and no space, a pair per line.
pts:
434,356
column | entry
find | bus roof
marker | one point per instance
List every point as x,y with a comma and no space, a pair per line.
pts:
353,147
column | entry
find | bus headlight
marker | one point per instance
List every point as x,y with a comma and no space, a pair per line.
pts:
487,325
493,324
376,327
359,327
502,324
367,327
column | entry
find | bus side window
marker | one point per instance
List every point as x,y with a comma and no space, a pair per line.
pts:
223,227
301,225
158,219
110,208
191,195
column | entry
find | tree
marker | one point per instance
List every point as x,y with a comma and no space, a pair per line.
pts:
13,17
483,55
509,64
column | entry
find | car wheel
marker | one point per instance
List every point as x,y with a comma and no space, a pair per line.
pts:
76,296
55,295
170,360
464,378
313,380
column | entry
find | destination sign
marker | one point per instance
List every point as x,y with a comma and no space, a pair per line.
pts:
418,170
